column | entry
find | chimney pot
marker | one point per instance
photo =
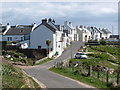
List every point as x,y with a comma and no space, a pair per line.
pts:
50,20
44,21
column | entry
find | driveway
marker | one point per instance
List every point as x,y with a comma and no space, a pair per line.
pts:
51,79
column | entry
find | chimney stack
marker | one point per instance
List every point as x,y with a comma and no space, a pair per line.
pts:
53,21
81,26
33,26
49,20
70,24
44,21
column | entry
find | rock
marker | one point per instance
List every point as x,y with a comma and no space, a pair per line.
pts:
11,59
8,56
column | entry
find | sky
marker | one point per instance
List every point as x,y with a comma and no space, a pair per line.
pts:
99,14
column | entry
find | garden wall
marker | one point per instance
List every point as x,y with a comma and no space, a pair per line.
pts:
34,53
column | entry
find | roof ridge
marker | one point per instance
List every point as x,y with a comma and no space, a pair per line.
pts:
50,27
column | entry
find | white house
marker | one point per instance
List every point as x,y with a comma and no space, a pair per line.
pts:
83,34
17,33
106,33
47,30
70,31
95,33
114,38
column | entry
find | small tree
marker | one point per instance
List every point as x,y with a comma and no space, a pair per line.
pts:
48,42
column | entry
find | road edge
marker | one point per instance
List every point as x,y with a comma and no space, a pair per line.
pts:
38,82
84,84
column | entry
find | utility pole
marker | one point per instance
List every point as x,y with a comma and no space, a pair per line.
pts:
112,34
71,49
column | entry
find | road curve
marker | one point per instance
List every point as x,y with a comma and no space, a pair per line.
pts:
51,79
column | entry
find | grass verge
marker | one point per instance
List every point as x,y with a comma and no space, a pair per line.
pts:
44,61
13,77
88,80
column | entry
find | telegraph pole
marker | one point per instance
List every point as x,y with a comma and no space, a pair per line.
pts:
112,34
71,49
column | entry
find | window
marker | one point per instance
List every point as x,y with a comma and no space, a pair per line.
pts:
9,38
21,31
21,38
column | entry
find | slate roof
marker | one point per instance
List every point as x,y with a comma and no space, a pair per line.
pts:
52,27
58,27
115,36
2,29
19,30
106,31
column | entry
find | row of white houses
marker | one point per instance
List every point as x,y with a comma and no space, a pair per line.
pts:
34,36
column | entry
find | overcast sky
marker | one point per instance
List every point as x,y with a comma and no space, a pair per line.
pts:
104,15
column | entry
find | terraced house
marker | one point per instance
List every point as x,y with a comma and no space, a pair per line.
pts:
47,30
17,33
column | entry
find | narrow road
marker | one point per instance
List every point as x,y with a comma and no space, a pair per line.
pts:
52,80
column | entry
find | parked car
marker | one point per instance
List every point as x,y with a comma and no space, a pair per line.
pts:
79,55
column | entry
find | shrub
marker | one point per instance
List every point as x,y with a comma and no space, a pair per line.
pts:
103,42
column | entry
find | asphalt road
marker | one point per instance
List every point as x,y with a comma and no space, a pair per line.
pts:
52,80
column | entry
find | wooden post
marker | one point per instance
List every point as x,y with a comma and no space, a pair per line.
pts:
107,76
118,77
90,70
98,74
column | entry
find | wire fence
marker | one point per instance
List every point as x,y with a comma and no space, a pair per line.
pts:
105,74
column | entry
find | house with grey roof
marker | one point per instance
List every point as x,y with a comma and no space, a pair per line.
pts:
83,33
18,33
114,38
47,30
70,31
97,33
106,33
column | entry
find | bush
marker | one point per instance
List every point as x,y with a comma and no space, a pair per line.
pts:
103,42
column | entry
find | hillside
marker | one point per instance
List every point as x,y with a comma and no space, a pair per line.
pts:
13,77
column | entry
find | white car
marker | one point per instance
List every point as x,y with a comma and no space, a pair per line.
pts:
80,56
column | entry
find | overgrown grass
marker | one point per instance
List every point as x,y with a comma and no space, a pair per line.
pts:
96,59
13,77
88,80
44,61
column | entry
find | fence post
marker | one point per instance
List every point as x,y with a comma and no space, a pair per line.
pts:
107,76
118,76
90,70
98,74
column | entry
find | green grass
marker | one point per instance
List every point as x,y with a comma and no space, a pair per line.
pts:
44,61
13,77
114,50
88,80
95,61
